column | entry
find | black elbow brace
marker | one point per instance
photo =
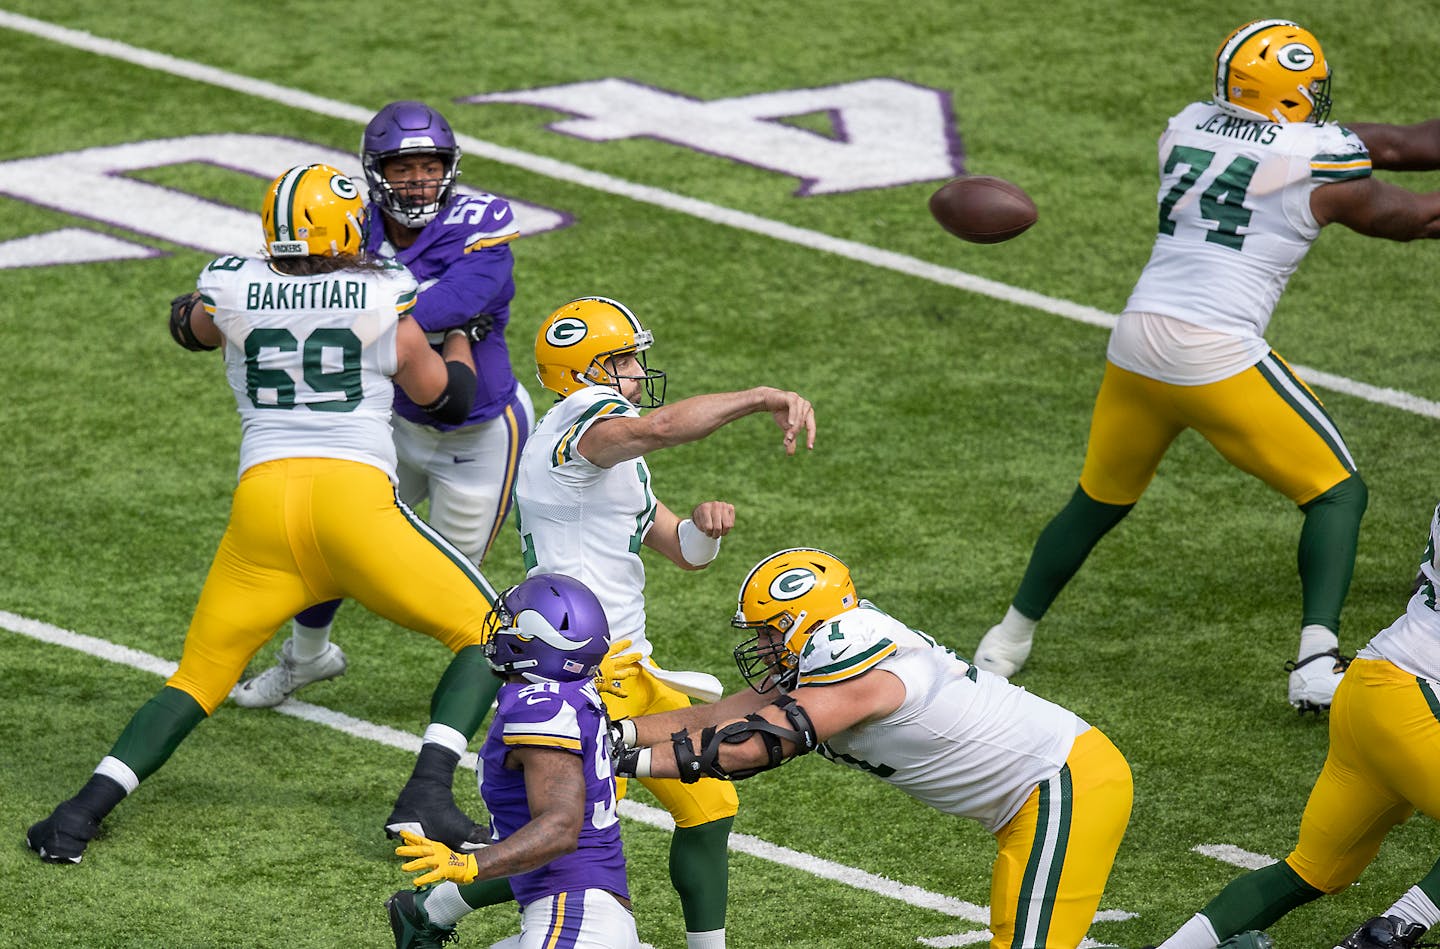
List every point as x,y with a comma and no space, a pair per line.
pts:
180,330
706,763
458,397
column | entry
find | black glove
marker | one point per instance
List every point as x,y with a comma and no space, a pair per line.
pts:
478,327
625,761
180,330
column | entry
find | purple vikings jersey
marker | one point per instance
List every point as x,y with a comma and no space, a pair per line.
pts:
567,716
464,267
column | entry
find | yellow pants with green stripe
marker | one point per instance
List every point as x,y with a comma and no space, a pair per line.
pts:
306,530
1264,421
1383,764
1057,851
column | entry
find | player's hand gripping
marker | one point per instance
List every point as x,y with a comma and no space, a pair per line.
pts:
441,862
618,665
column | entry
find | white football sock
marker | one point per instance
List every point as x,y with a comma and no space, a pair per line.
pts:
444,905
1416,907
308,642
1197,933
445,737
1316,639
713,939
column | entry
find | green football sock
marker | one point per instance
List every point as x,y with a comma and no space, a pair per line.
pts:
1327,550
700,873
1430,885
1257,899
156,730
1063,546
465,692
486,892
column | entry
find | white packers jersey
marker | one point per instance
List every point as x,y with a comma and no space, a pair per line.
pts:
964,741
584,521
1235,218
1412,642
309,358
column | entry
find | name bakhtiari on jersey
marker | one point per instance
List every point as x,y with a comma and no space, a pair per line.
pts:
309,358
585,521
1412,642
964,741
1235,218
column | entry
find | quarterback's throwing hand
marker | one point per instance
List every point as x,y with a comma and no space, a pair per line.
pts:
795,416
441,862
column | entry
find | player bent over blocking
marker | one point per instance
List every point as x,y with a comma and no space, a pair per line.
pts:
313,334
546,779
831,672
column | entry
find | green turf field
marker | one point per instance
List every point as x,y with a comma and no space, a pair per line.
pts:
685,158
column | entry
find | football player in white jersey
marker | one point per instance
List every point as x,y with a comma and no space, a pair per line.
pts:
1247,181
585,505
457,246
1383,765
831,672
313,334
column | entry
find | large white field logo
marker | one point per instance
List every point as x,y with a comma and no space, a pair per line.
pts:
94,184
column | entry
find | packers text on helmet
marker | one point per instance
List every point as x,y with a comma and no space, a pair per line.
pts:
1273,71
785,597
313,210
575,342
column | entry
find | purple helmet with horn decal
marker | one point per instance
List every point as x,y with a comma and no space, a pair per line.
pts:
547,628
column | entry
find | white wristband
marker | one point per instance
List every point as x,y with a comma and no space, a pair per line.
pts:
627,732
697,548
642,764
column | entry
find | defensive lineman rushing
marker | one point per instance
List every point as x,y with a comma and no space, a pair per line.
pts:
1247,181
313,334
457,246
546,778
585,505
1383,764
830,671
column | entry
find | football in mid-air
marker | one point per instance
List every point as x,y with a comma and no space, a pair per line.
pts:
983,209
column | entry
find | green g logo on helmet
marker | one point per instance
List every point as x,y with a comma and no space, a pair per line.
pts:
793,583
566,331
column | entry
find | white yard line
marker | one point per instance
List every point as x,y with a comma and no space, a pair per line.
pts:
704,210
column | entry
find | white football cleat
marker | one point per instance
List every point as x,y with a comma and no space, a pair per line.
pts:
1003,651
275,684
1313,680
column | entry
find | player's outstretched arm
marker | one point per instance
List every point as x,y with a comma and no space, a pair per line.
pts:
442,384
611,441
1378,208
1401,147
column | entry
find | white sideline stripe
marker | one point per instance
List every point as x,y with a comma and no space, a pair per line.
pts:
384,735
1229,853
599,181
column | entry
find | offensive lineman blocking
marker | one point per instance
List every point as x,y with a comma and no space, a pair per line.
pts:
1247,182
313,334
831,672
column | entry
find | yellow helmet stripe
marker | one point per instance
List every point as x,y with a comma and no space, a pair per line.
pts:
283,211
1227,52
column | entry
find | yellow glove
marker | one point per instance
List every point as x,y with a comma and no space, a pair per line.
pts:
442,862
617,666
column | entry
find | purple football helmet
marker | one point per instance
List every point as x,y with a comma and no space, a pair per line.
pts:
408,128
548,628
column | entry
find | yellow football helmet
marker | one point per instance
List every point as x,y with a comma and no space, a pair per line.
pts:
1273,71
785,598
575,340
313,210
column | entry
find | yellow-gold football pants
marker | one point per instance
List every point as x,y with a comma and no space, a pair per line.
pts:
1264,421
691,805
1057,851
306,530
1383,764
